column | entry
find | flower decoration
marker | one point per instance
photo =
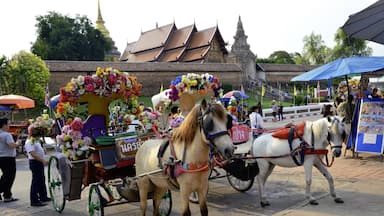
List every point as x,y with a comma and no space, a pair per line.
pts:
176,121
71,143
192,83
149,118
41,126
105,83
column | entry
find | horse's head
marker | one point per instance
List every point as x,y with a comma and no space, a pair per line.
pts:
215,122
336,134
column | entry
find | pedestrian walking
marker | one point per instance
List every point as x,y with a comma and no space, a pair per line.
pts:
7,161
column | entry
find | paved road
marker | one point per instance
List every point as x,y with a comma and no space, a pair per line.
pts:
359,181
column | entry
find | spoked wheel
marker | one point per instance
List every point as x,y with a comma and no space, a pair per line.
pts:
240,185
95,203
166,204
55,184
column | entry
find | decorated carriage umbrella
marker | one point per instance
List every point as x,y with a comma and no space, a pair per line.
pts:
53,101
237,94
20,102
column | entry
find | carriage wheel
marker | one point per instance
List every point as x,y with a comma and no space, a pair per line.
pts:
240,185
55,185
95,203
166,204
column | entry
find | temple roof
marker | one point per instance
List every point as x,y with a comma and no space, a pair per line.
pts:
169,44
153,38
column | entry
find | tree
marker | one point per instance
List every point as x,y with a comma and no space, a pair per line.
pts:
347,46
64,38
4,76
28,76
281,57
299,59
314,49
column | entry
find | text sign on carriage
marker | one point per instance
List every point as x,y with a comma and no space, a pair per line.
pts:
240,133
127,147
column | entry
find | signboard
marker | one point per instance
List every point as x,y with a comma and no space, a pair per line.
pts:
127,146
370,128
240,134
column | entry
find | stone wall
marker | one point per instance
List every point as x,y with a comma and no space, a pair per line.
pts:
150,75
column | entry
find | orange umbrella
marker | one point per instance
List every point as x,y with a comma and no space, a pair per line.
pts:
20,102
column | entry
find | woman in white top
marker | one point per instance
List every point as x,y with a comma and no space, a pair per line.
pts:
257,121
38,192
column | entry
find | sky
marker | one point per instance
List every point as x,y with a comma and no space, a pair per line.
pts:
270,25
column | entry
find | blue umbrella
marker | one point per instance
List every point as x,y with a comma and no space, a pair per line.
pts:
343,67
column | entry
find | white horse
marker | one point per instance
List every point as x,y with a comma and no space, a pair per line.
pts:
186,158
307,150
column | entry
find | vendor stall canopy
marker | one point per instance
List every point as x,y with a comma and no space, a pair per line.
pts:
343,67
17,101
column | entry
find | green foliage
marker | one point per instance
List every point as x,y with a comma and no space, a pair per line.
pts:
4,76
28,76
314,49
227,87
299,100
347,46
264,60
64,38
281,57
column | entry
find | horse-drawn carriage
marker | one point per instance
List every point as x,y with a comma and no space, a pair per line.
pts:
97,152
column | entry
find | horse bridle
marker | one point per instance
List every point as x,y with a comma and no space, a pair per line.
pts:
206,124
343,135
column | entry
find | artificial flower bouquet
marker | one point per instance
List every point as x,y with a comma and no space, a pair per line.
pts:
192,83
106,82
71,143
41,126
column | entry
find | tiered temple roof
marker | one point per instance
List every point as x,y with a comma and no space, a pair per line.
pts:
170,44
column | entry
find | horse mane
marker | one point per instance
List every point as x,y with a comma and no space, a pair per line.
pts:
187,130
320,131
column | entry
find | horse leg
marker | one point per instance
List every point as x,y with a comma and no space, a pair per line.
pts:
157,195
203,200
266,169
144,185
308,181
185,193
323,170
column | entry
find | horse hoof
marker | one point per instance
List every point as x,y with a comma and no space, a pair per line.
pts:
339,200
264,204
313,202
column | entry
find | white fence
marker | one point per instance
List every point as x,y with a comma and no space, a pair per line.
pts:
296,111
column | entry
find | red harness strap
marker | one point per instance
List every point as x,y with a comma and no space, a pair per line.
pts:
316,151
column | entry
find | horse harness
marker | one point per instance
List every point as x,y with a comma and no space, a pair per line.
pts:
306,149
174,167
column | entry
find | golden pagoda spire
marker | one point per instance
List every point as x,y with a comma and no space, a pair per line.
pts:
100,22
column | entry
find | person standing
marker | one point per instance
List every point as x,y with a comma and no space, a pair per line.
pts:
38,192
7,161
280,112
274,109
257,121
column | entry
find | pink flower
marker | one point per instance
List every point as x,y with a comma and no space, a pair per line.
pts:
77,124
88,80
90,88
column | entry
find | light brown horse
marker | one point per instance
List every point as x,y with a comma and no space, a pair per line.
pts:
191,148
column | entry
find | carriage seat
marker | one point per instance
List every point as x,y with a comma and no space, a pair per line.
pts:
94,126
284,133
